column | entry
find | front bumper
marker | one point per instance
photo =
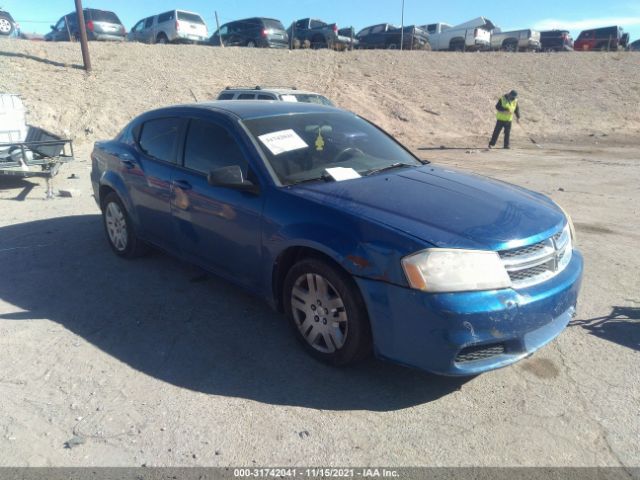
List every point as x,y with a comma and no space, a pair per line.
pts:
433,331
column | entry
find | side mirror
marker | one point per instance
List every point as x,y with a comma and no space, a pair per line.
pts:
52,27
231,177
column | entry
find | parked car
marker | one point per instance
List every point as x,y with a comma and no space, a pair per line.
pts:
472,35
273,93
176,26
252,32
556,41
99,25
634,46
312,33
526,40
362,245
603,39
391,37
7,23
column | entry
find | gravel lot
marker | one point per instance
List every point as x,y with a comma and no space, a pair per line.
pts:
107,362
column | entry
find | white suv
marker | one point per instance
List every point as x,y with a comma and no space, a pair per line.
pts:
276,93
172,26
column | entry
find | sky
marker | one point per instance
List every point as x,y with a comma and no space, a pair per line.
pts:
575,15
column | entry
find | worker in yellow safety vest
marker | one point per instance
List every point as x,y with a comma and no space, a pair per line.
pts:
506,107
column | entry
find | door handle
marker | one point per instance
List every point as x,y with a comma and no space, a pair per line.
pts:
182,184
126,160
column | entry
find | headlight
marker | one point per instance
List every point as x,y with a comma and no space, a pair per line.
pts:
453,270
572,229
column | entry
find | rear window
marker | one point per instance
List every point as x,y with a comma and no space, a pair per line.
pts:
317,24
104,16
190,17
273,24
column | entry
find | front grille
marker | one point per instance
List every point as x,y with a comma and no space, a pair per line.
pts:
533,264
479,352
523,251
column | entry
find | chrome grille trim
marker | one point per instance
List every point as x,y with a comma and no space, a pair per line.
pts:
533,264
479,352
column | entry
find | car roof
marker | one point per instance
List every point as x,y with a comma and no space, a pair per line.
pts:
249,109
277,90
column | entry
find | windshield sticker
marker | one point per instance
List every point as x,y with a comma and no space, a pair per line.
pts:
288,98
341,173
282,141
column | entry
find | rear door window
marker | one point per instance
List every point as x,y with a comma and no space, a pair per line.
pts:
159,138
165,17
209,146
148,23
263,96
247,96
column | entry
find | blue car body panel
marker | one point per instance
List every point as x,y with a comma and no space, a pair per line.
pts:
366,225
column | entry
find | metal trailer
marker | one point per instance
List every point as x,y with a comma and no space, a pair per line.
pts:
40,154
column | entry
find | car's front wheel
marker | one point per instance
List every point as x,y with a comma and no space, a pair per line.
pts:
327,312
6,25
119,228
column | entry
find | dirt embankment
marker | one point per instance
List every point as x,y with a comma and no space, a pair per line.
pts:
425,98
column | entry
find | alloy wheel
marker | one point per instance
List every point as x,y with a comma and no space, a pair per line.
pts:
319,313
5,26
116,226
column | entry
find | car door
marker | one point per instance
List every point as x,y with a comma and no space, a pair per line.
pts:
135,35
148,176
59,30
218,227
148,34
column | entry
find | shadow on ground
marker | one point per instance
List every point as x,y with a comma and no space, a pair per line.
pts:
22,186
163,318
621,326
41,60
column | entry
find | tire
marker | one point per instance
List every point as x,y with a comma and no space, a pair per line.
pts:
162,39
456,46
510,47
319,42
343,336
392,46
119,229
251,44
6,25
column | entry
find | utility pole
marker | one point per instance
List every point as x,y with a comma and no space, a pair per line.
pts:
402,28
83,36
218,26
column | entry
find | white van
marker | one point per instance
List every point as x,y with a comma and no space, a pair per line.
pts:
172,26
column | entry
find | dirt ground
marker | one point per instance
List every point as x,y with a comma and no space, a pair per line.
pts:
107,362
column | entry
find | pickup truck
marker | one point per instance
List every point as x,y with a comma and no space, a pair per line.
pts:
472,35
526,40
391,37
312,33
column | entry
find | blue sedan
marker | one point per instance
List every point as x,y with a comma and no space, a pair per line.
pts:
364,247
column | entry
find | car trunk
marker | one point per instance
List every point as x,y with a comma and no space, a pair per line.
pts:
106,23
275,32
191,25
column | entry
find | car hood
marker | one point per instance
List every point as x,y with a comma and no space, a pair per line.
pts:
444,207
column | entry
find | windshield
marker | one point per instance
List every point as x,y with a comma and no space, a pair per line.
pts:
300,148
